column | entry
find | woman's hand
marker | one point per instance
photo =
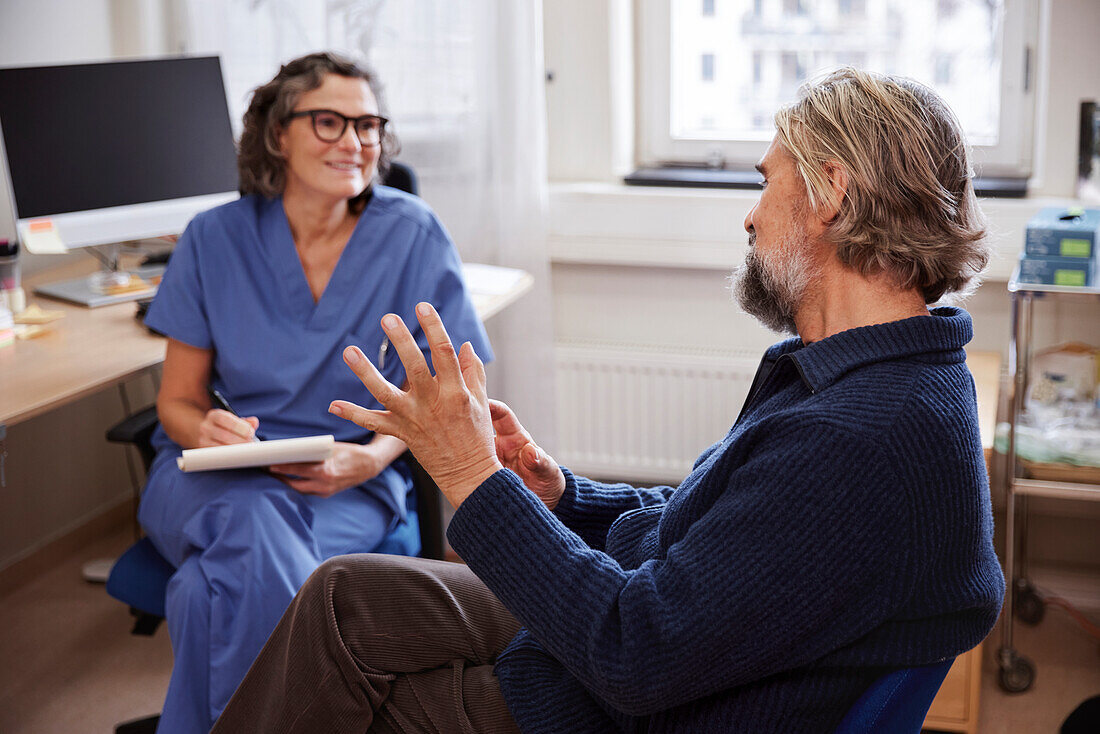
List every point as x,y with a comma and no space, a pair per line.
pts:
220,428
518,452
350,465
444,419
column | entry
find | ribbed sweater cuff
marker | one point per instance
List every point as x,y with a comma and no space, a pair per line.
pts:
567,503
500,517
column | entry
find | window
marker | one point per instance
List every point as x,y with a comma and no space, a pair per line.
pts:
708,67
793,72
943,70
794,7
947,8
852,7
975,53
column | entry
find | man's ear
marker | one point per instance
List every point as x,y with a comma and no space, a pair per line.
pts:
838,185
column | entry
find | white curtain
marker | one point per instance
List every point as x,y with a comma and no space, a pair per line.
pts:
463,81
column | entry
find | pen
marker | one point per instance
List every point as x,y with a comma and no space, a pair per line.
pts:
382,349
221,402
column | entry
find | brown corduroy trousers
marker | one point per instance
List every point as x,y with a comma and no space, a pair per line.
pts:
380,643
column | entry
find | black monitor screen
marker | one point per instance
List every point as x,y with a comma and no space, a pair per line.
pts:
90,136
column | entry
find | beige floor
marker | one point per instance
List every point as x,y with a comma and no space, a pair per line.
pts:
1067,664
68,663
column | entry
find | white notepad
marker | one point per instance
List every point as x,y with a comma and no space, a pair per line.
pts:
257,453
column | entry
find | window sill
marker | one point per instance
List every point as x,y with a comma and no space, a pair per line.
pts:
598,223
703,178
709,178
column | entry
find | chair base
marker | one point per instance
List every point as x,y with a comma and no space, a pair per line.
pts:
148,725
144,623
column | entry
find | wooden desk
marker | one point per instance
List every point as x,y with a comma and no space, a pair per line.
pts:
955,707
86,351
986,368
94,348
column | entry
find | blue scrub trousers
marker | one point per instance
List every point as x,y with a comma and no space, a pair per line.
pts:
242,543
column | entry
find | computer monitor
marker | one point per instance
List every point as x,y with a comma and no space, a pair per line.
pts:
114,151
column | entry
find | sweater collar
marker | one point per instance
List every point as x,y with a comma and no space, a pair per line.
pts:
939,337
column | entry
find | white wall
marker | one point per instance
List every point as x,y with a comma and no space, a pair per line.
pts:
1068,69
54,31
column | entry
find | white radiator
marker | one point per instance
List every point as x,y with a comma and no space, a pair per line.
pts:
639,412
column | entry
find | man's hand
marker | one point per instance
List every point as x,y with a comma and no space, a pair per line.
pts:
518,452
221,428
349,466
444,419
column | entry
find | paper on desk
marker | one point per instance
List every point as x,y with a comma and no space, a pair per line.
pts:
29,331
490,280
257,453
40,237
35,314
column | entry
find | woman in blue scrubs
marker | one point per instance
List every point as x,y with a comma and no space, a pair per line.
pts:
258,302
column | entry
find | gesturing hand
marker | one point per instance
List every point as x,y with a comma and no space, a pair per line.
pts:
518,452
444,419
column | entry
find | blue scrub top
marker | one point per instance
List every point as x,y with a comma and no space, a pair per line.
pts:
235,285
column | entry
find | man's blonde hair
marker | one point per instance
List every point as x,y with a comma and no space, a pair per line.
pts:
909,209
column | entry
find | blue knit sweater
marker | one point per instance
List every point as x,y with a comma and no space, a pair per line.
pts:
842,528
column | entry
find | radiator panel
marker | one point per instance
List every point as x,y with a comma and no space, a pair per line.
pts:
644,413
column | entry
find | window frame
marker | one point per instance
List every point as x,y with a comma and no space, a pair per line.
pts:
654,145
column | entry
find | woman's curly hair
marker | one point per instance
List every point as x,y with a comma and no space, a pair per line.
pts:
260,164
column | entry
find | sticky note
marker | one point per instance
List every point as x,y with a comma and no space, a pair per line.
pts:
40,237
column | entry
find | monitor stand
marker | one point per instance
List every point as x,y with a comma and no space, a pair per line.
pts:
111,284
89,291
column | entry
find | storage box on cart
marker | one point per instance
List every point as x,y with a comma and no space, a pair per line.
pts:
1067,271
1058,232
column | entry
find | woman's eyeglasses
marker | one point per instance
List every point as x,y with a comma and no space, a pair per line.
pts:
329,125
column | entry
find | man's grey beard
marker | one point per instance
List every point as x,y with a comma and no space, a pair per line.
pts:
772,292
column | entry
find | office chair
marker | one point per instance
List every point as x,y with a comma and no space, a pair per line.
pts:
897,702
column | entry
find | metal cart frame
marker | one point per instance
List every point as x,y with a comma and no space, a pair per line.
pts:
1017,672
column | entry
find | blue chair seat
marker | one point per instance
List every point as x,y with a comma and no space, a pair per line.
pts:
897,702
139,578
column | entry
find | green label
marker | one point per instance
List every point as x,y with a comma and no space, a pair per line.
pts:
1076,248
1069,277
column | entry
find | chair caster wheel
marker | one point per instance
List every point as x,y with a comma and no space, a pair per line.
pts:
1016,674
1027,604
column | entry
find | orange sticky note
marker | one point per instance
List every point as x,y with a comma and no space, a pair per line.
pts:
40,236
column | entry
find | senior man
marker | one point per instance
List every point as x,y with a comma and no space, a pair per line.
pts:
840,530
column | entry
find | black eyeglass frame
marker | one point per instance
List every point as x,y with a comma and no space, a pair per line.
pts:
312,114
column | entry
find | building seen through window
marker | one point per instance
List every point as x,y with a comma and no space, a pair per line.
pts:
766,48
708,67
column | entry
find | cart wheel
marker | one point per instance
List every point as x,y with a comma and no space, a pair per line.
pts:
1027,604
1017,675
